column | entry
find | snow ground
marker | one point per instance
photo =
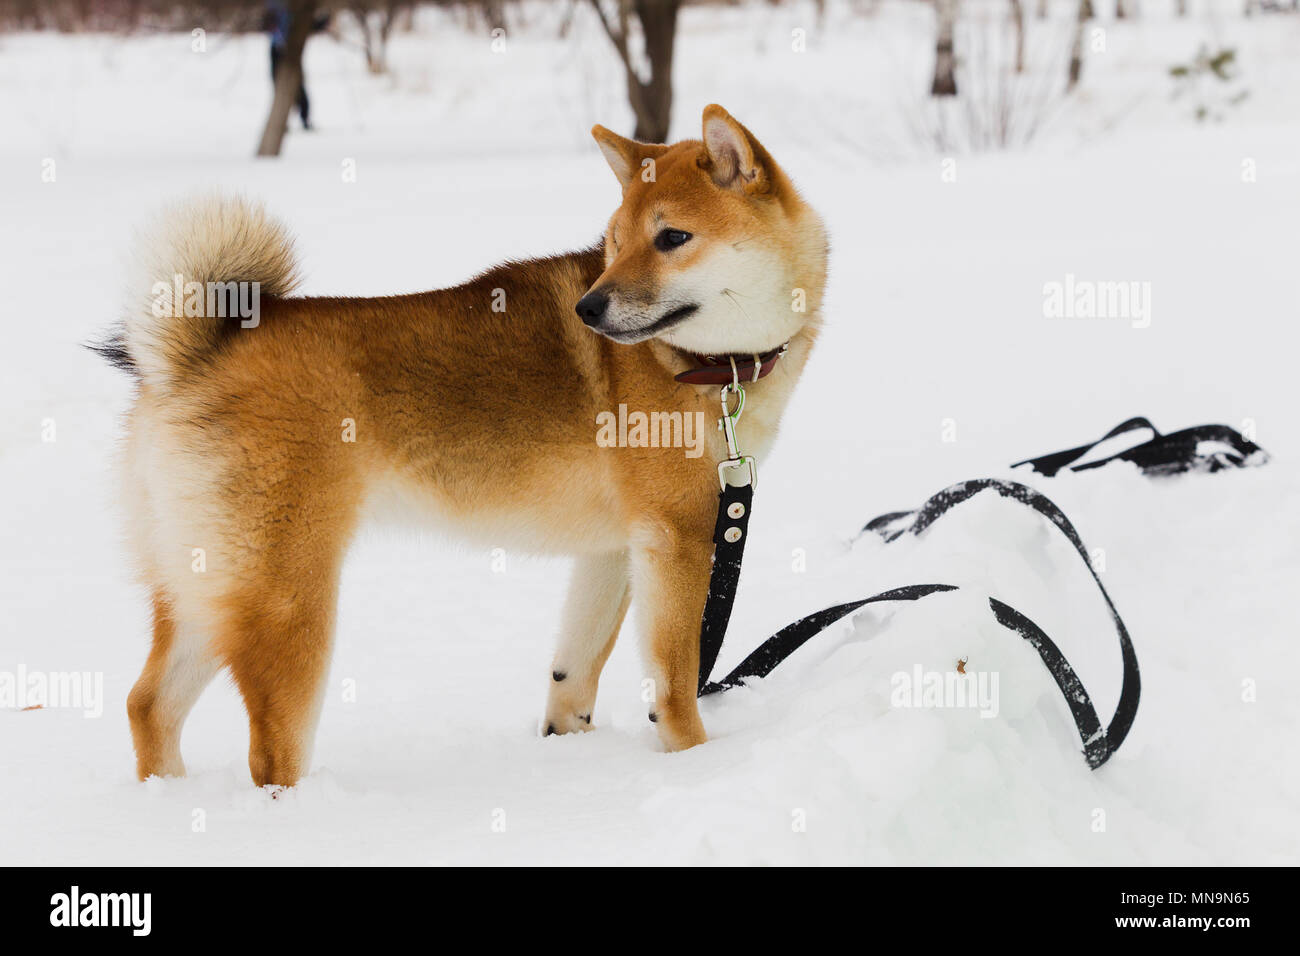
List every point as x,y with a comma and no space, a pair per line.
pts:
934,322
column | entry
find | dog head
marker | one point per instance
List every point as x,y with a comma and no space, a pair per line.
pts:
712,249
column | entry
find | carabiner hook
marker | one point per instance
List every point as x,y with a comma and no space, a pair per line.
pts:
729,418
727,423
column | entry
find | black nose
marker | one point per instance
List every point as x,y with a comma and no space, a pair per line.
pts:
591,308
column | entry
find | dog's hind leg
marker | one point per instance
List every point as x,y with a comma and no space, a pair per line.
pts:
597,602
180,665
277,642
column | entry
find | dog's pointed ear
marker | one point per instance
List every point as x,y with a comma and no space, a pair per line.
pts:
625,156
735,159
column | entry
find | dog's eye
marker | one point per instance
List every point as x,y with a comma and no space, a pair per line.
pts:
671,239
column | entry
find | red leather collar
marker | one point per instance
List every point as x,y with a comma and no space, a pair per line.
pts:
716,369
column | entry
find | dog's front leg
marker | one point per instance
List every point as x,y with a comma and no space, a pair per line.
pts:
593,614
671,578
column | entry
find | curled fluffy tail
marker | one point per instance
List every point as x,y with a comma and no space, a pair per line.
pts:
199,268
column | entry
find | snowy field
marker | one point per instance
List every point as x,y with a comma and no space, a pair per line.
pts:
937,364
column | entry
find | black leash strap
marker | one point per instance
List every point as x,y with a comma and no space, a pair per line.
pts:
1207,448
789,639
1202,448
1098,742
729,534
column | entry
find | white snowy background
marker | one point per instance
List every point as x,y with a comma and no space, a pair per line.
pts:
934,319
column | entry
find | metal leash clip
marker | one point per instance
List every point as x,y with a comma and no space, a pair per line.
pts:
728,470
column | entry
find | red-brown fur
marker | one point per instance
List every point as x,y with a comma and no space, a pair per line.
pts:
485,418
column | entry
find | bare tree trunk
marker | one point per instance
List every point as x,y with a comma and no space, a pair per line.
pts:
369,40
494,11
375,32
945,60
659,23
392,10
1181,8
1076,47
651,99
1042,9
566,21
287,78
1018,19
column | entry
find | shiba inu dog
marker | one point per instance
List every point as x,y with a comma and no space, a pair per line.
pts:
255,448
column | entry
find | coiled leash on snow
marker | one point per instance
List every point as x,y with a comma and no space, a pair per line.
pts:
1162,454
1202,448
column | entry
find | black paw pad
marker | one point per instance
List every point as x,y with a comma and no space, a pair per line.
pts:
550,729
558,676
586,718
654,718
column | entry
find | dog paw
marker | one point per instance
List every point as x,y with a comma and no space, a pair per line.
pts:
566,722
679,728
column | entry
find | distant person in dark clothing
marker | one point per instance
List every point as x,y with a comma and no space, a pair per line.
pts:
278,21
